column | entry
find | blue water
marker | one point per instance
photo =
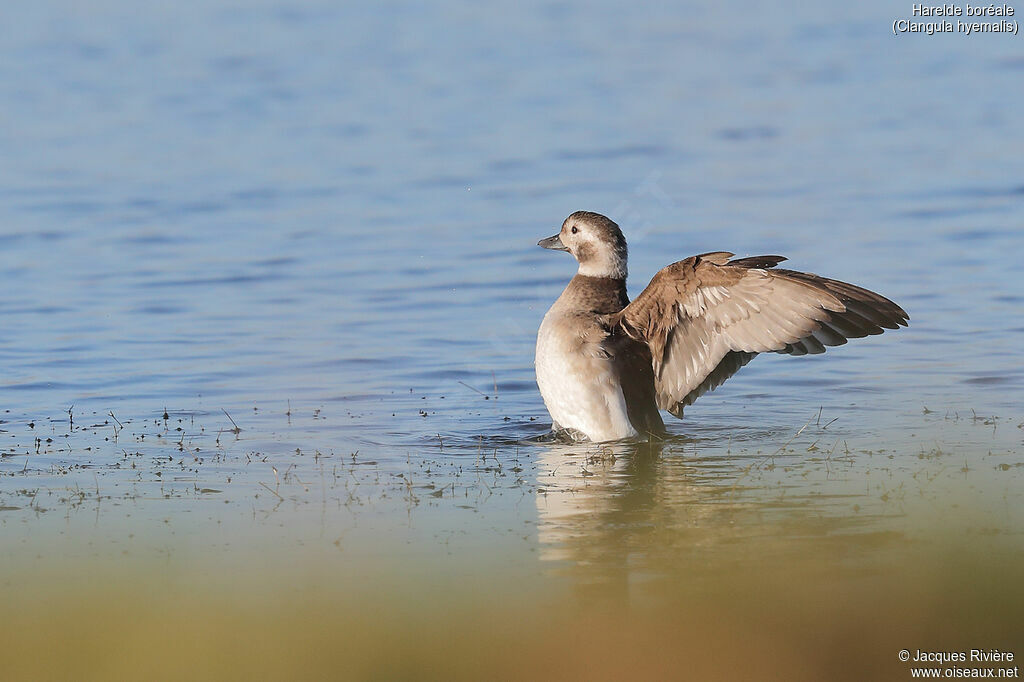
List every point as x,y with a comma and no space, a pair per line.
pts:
320,219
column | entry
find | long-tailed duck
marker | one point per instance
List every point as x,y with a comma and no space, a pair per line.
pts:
605,366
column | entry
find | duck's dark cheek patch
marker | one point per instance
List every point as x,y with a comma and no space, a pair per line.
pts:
584,252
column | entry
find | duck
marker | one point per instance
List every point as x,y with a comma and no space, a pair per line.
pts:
606,366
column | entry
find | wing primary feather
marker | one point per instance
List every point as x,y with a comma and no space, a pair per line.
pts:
814,346
827,336
795,348
758,261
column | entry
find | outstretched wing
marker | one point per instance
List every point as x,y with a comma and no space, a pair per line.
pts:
705,317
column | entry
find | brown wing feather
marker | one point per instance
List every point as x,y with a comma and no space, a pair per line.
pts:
733,362
696,312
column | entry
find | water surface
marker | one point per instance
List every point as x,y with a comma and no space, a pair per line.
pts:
271,289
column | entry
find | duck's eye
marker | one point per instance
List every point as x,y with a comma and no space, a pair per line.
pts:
574,230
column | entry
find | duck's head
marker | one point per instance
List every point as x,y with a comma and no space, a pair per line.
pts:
595,241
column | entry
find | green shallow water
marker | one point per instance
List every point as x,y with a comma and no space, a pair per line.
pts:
790,557
306,234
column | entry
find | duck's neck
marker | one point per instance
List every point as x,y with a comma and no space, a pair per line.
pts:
609,263
603,295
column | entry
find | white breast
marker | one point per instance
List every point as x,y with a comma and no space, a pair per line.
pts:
580,388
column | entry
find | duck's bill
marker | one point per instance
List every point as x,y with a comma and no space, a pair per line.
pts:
552,243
